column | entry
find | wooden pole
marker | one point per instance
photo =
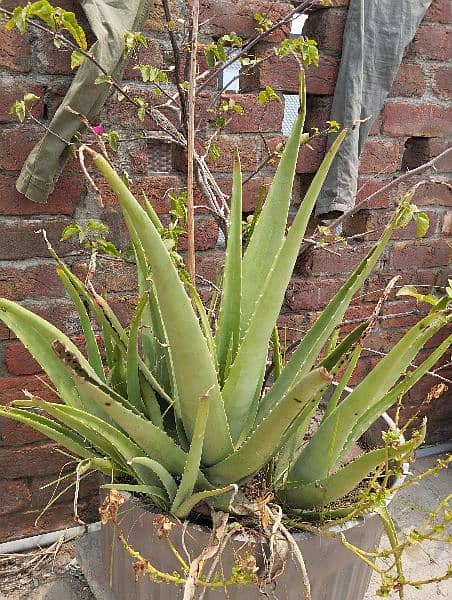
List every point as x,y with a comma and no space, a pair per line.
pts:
191,144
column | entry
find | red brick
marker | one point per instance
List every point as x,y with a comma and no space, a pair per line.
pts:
156,189
380,156
311,155
421,150
291,327
282,74
15,145
367,187
20,239
63,200
442,82
19,361
156,20
257,117
52,60
139,160
22,524
206,235
16,463
12,89
439,11
377,283
420,254
209,264
320,261
15,497
410,81
433,193
144,55
219,16
89,488
321,80
420,120
446,228
248,154
327,28
250,190
432,41
110,276
310,294
36,281
14,51
415,309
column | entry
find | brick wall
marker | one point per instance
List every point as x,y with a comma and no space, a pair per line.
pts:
412,128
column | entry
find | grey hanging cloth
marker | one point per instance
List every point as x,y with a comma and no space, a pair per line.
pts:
376,35
109,20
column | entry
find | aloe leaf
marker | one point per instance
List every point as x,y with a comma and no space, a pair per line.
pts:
331,488
92,349
38,335
151,405
156,493
194,369
204,320
269,231
337,394
408,381
133,372
310,346
51,429
185,508
191,470
238,390
328,441
87,426
166,479
229,319
150,439
155,346
266,438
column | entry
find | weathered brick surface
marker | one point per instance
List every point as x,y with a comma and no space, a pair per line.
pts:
420,120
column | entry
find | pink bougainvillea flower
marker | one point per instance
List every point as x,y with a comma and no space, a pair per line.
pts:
97,129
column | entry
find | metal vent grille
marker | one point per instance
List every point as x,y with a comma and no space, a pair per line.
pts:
291,106
160,158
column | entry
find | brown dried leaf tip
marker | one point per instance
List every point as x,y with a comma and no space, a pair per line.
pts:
164,526
109,509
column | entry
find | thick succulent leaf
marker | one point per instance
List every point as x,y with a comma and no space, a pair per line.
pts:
87,426
193,365
193,463
407,382
238,390
133,371
229,320
166,479
265,440
337,485
310,346
38,335
269,231
101,434
326,445
51,429
154,442
155,492
155,346
151,406
186,507
342,383
92,349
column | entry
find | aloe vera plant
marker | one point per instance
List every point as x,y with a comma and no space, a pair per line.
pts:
180,411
